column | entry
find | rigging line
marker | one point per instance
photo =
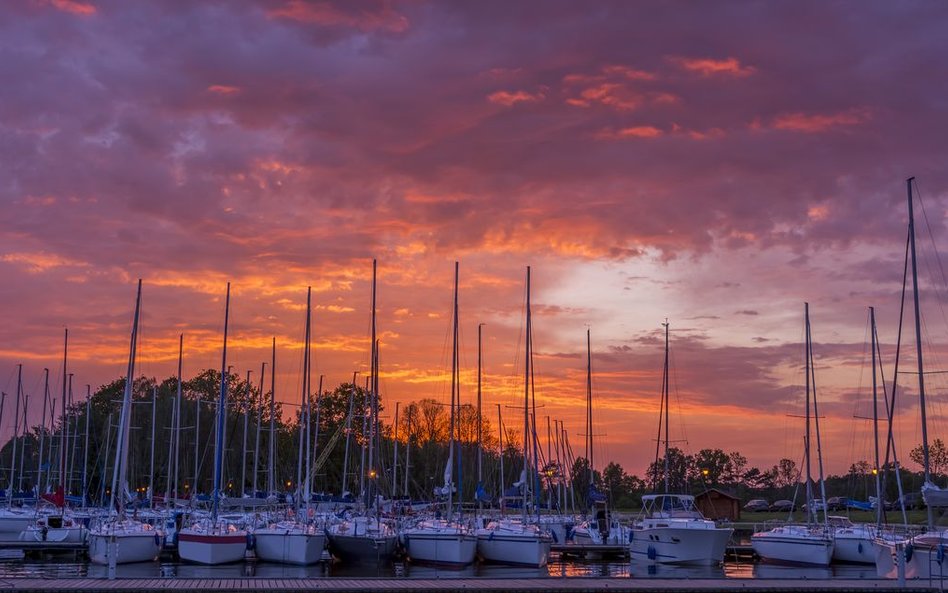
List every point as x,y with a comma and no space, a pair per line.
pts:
890,406
859,390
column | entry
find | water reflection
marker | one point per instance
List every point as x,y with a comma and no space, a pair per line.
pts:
64,568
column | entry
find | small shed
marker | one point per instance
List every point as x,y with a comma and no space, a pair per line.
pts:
716,504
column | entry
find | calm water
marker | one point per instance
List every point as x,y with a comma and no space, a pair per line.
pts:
53,568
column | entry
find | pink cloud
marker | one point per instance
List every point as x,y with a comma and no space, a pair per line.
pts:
731,67
509,99
818,122
329,15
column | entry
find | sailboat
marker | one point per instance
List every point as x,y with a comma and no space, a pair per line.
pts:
445,541
855,543
215,540
61,525
13,520
508,541
801,544
921,556
601,527
292,541
671,528
120,539
363,539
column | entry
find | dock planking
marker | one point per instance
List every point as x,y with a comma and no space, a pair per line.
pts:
455,584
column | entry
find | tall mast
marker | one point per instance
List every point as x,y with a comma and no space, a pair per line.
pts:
589,409
151,471
454,395
480,421
67,387
243,448
16,430
918,347
304,409
117,499
373,395
221,403
875,419
42,443
271,485
526,404
500,445
816,420
256,447
806,365
665,391
85,448
177,417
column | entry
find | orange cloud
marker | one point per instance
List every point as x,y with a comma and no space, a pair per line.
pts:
73,7
711,67
632,132
223,89
40,262
509,99
325,14
811,124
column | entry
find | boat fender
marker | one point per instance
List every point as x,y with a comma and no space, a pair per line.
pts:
652,554
941,554
490,537
157,540
556,540
251,541
860,547
909,550
631,535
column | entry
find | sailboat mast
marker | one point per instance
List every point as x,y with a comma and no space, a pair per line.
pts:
42,443
918,346
85,448
816,420
454,387
177,418
806,438
16,430
271,485
256,447
500,445
64,437
222,402
526,405
304,408
589,409
480,422
373,401
665,407
243,445
875,418
121,438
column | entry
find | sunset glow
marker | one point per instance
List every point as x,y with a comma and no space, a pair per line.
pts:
716,165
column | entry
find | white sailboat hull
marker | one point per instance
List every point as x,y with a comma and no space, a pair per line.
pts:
288,546
854,545
680,545
204,548
12,523
920,555
362,549
520,550
129,547
75,534
447,549
793,547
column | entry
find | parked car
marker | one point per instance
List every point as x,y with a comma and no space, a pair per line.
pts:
757,505
911,500
782,506
816,505
837,503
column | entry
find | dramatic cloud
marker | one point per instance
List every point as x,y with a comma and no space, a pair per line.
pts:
713,165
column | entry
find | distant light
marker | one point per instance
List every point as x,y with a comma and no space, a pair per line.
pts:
875,471
705,472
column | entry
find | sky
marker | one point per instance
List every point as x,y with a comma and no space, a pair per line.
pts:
713,164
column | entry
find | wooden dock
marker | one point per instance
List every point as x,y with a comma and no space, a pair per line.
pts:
456,584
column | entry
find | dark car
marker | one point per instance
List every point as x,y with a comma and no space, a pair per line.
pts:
836,503
782,506
757,505
911,500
